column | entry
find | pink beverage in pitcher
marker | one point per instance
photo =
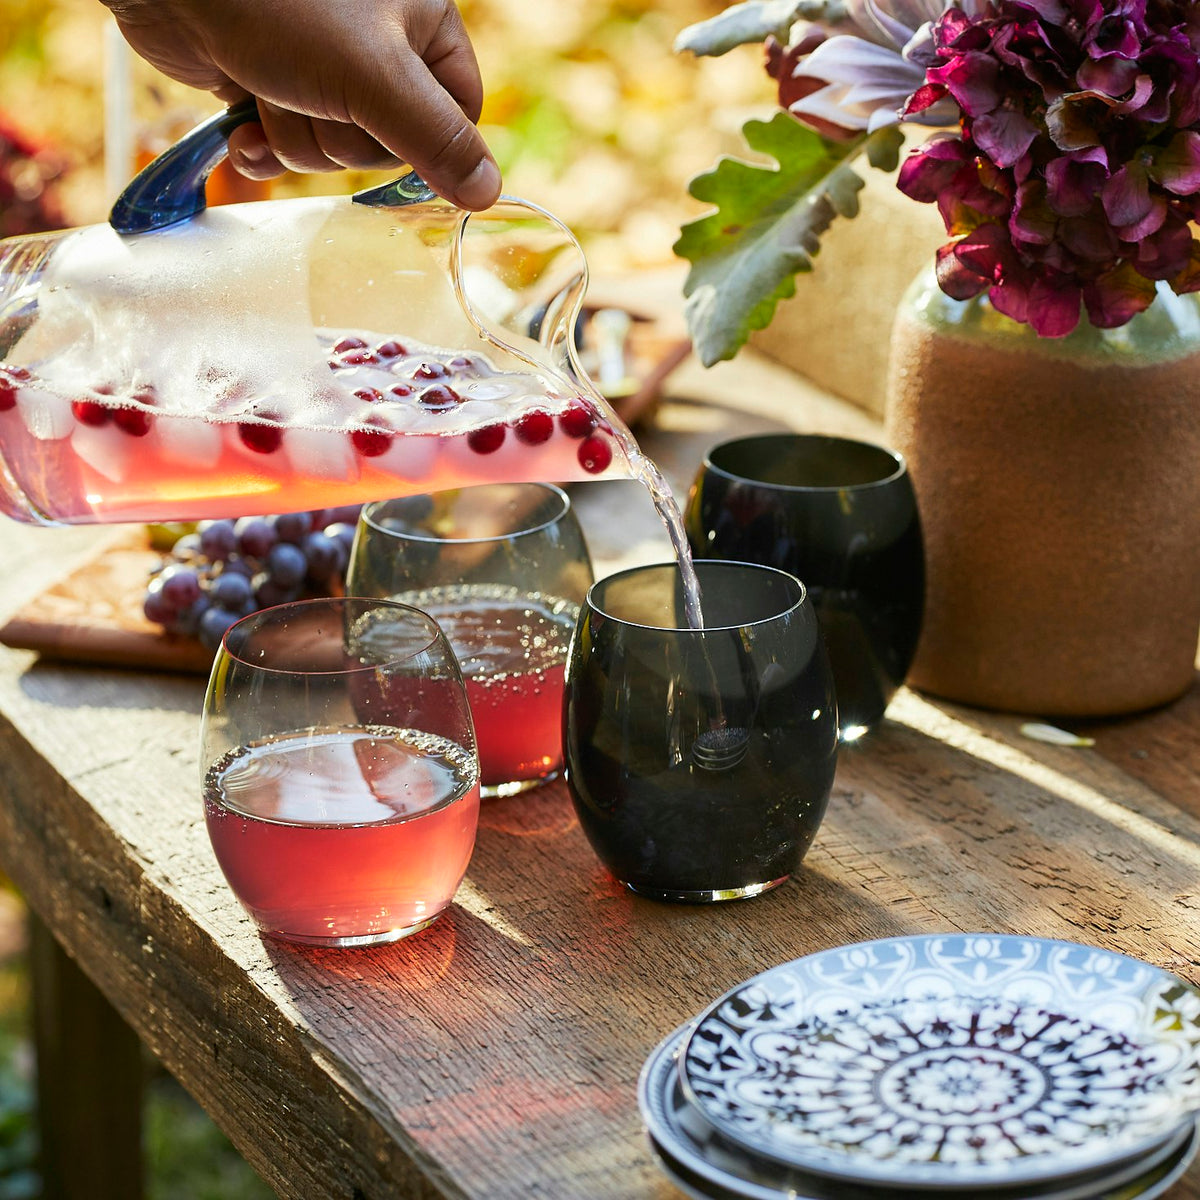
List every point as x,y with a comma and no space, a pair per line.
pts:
392,418
344,835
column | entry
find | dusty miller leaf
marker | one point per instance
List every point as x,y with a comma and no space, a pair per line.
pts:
752,21
755,21
883,148
766,227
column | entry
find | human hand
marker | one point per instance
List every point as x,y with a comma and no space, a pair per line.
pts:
352,83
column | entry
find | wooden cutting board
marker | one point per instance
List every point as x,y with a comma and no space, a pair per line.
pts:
94,615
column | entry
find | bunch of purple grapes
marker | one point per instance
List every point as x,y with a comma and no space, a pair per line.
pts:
229,569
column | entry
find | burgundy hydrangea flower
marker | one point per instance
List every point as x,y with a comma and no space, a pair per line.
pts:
1075,172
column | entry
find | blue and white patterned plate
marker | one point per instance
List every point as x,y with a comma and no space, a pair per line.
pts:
949,1061
1148,1186
703,1164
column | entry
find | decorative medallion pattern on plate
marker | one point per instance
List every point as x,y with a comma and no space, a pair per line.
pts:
702,1162
949,1060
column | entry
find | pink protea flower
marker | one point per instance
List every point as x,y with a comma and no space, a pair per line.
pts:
1075,172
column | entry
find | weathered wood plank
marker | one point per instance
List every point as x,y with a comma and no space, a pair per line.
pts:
1160,753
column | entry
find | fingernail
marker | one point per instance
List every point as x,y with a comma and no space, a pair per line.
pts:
254,152
480,188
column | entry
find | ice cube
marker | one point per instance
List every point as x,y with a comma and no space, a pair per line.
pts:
412,456
400,416
46,415
495,388
477,413
191,441
105,449
321,454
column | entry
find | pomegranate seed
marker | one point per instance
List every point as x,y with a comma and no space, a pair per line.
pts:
369,394
439,398
349,343
356,358
132,421
594,455
577,420
390,349
10,378
431,370
264,439
400,390
91,412
371,443
487,440
534,427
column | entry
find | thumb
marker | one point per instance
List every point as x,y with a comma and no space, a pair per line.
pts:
412,114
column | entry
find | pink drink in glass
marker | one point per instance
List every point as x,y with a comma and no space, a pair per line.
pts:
512,649
342,836
518,724
377,418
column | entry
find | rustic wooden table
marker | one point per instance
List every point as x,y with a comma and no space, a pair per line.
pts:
496,1054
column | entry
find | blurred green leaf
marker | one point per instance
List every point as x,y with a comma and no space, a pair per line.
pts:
187,1155
19,1179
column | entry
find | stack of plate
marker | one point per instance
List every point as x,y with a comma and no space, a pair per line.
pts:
994,1067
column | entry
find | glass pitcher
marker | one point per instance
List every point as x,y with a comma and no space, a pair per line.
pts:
182,362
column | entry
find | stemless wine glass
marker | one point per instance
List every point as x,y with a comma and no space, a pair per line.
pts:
842,516
341,785
503,569
700,760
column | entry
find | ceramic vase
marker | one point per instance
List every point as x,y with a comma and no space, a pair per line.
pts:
1059,487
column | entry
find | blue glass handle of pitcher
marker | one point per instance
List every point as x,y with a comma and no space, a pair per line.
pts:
172,188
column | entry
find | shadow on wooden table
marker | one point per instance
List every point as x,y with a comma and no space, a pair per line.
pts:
70,686
993,831
1153,748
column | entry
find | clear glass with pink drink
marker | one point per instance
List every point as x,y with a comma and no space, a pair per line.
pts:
339,771
503,569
